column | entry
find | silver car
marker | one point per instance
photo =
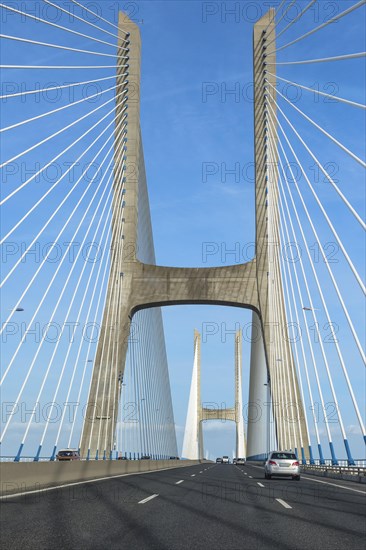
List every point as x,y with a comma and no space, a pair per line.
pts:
280,463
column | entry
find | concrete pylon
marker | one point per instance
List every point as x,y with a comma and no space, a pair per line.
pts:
239,419
193,436
137,283
193,447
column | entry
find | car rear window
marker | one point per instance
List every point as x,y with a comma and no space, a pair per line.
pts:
284,456
67,453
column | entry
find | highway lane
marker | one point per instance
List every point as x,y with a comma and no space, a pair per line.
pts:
207,506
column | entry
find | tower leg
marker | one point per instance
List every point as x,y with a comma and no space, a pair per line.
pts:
193,435
239,420
258,425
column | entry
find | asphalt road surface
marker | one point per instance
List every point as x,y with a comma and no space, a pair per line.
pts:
207,506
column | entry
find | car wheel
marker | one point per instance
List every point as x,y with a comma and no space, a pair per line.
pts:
269,476
297,478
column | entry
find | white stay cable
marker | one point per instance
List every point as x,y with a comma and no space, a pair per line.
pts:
48,138
307,329
298,324
340,243
55,273
292,22
334,98
98,16
110,313
99,284
98,314
60,296
50,362
280,19
53,111
274,15
41,231
72,15
309,298
321,59
276,365
311,347
61,27
332,138
114,233
60,87
279,295
290,277
291,306
29,180
345,310
325,173
63,67
81,307
332,20
113,353
57,46
54,212
117,378
349,385
285,349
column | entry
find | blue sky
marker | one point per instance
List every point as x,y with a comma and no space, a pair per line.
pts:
189,48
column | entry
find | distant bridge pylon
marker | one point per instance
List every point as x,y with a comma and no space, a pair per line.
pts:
193,445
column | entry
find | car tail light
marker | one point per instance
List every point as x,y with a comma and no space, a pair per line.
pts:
296,464
272,462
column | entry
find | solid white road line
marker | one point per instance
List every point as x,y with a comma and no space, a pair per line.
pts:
335,484
250,477
284,504
180,481
148,498
260,484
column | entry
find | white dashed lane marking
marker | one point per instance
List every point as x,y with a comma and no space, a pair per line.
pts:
284,504
180,481
147,499
260,484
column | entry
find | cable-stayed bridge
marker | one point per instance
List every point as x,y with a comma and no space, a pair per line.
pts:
84,361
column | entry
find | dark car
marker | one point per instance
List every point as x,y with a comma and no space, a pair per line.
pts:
174,458
122,458
145,457
219,460
68,454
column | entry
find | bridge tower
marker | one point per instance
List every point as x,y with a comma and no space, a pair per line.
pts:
193,447
136,283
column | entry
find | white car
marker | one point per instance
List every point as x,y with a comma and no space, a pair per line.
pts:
225,460
281,463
